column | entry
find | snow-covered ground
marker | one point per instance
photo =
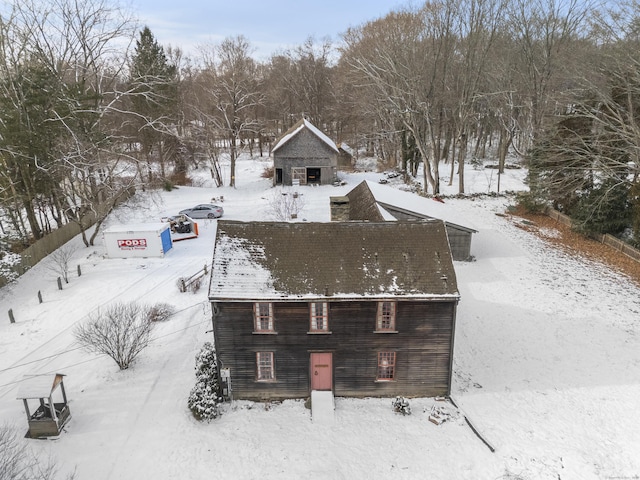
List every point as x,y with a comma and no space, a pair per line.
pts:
547,364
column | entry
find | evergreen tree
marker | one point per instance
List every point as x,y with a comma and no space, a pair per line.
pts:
155,90
582,169
31,133
634,199
205,396
604,209
560,165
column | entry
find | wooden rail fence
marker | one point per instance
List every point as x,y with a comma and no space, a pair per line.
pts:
193,282
607,239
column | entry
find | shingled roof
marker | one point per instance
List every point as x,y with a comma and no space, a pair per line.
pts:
363,205
293,261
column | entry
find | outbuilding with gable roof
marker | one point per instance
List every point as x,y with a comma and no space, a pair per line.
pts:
304,155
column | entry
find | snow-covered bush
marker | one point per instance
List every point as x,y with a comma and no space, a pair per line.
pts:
195,285
401,405
205,397
191,284
159,312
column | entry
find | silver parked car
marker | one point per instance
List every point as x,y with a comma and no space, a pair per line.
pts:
205,210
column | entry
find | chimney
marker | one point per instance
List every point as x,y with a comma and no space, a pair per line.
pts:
339,209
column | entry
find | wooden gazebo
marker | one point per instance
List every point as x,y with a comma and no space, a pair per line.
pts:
52,412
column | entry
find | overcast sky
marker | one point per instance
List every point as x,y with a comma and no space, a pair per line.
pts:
271,26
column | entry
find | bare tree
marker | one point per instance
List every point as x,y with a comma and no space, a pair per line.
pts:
231,85
425,69
59,260
121,331
69,57
476,25
17,462
307,79
286,204
393,60
543,31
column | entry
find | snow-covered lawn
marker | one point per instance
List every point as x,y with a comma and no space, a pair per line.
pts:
547,364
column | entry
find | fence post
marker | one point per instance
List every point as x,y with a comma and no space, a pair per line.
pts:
205,268
39,296
11,318
79,271
183,287
59,283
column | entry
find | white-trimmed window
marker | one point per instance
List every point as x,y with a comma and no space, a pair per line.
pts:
386,366
265,367
319,315
263,317
386,318
299,174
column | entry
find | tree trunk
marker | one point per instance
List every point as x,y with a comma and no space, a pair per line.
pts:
233,154
461,158
36,230
162,152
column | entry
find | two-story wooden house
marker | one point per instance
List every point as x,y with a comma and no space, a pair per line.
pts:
304,155
359,308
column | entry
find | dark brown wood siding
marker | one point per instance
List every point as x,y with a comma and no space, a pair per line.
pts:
423,347
460,243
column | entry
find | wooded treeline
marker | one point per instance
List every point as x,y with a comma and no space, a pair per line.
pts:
92,106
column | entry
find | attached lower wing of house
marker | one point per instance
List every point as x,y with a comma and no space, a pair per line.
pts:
372,202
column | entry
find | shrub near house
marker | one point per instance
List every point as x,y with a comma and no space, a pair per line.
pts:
359,308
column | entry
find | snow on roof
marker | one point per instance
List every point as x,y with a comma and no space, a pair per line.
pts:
293,131
385,214
137,227
344,146
38,386
387,196
342,260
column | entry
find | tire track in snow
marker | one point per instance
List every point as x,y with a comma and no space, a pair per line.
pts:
165,375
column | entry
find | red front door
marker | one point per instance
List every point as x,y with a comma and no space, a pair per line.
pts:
321,371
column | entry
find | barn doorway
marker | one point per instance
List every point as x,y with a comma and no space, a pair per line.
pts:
313,176
278,176
321,371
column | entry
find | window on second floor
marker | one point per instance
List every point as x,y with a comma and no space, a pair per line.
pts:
263,318
386,318
319,315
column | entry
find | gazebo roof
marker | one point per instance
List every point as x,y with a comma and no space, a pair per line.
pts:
38,386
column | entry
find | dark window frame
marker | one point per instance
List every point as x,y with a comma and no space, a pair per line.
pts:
263,322
386,371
